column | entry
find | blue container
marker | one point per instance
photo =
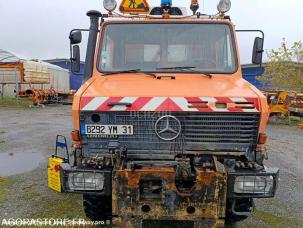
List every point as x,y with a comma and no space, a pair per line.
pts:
250,74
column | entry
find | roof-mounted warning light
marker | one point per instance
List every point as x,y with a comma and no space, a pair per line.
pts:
166,3
166,9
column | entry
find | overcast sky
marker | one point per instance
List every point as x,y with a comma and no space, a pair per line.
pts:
39,28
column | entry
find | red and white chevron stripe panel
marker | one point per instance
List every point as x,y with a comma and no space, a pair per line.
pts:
174,104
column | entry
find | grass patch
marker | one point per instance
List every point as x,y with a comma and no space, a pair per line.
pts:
5,183
277,221
21,103
294,120
59,205
29,195
2,133
2,189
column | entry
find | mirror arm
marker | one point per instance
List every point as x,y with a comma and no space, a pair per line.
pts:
253,30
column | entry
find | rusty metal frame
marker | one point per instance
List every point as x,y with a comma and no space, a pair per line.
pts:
207,196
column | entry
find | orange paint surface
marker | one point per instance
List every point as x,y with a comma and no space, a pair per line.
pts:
185,84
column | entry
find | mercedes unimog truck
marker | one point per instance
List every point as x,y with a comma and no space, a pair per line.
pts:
165,127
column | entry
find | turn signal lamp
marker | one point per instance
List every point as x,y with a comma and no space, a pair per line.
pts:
75,135
224,6
110,5
262,138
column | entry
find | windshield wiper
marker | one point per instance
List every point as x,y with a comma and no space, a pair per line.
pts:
129,71
187,68
176,68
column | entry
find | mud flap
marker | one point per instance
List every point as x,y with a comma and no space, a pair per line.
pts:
54,162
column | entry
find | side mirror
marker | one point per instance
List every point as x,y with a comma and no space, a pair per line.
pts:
75,60
258,51
75,37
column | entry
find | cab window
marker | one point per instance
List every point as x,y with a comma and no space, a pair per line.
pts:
150,47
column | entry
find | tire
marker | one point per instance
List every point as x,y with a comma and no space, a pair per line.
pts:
98,208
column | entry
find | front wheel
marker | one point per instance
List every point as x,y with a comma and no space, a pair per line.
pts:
98,208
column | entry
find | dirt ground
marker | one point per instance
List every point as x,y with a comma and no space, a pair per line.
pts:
27,138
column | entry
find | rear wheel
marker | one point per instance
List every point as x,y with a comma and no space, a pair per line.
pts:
98,208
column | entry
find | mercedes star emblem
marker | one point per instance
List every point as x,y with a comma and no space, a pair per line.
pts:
168,128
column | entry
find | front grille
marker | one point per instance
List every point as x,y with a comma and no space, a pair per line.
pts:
200,133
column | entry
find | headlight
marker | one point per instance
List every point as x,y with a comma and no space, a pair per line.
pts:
254,184
110,5
224,6
81,181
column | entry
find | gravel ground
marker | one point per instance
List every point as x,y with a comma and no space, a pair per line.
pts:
27,138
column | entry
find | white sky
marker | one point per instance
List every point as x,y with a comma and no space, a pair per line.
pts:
40,28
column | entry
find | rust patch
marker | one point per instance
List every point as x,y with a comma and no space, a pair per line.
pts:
206,199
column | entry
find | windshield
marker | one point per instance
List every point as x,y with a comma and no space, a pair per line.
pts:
168,47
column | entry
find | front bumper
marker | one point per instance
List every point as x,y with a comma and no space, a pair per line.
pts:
206,199
240,184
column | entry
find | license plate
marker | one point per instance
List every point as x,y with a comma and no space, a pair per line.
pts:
109,129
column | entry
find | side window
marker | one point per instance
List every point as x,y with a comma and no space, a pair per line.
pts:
229,52
107,54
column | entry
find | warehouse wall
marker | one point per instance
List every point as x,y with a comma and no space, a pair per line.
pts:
75,80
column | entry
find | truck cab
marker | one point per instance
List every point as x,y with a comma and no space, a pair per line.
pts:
165,127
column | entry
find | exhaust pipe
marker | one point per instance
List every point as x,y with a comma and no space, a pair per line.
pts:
91,45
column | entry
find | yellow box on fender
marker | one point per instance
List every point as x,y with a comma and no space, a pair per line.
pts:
53,174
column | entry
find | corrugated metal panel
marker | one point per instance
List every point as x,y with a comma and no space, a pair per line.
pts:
75,79
9,75
59,80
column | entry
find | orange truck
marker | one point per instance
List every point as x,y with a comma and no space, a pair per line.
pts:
165,127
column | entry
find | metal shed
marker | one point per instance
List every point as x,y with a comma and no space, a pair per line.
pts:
11,71
17,75
75,79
